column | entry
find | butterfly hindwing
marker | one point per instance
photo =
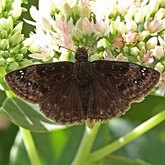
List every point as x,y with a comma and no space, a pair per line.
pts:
33,82
104,101
63,104
115,85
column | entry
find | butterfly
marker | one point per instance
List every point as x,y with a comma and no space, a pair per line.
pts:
71,93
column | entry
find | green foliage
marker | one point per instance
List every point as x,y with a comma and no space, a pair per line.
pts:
61,145
25,115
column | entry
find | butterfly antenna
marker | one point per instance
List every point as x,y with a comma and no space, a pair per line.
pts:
94,43
67,49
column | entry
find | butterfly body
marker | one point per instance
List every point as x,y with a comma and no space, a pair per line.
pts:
83,74
70,93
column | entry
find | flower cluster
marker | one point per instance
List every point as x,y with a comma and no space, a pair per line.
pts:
130,30
12,50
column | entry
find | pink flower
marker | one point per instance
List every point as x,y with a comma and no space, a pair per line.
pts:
85,25
102,26
131,37
118,43
64,31
155,26
147,58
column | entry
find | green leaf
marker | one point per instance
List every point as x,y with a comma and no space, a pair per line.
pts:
18,155
151,105
56,147
63,144
24,115
127,131
150,147
2,97
3,85
7,137
119,160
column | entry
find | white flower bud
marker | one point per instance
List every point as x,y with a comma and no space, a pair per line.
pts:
9,24
159,67
161,41
4,44
18,27
134,51
160,14
139,17
16,38
153,6
151,43
158,52
16,12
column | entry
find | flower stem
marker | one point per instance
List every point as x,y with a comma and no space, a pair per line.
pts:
138,131
86,144
30,146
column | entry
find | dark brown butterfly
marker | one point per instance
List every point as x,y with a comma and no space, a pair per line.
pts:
70,93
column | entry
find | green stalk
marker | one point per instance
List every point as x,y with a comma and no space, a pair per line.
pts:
138,131
86,145
30,146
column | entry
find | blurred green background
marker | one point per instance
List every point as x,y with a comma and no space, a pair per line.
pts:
60,146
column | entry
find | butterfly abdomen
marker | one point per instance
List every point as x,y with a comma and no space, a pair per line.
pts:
83,71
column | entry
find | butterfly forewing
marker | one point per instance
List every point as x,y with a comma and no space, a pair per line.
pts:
33,82
115,85
131,80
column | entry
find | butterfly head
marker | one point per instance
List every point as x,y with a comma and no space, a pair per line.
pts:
81,54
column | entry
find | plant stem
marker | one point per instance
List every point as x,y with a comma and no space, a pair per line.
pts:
86,145
30,146
138,131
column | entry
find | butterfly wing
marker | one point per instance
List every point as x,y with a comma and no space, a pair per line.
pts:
53,86
63,104
32,82
115,85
